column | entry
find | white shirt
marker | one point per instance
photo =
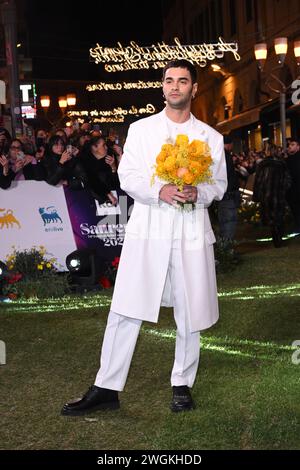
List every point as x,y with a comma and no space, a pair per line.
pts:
175,128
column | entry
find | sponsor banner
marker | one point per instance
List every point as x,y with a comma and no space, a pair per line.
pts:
107,208
33,213
101,227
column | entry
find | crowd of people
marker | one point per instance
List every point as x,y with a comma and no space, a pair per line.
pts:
79,159
274,179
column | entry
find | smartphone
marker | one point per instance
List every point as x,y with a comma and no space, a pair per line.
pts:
69,149
20,155
117,141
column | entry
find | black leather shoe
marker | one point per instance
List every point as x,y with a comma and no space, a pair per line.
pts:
182,399
96,398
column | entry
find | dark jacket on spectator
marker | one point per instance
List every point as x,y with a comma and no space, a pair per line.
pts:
31,172
293,164
232,177
5,181
71,171
34,171
101,179
270,188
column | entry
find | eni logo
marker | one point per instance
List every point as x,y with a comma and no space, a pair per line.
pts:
49,214
8,219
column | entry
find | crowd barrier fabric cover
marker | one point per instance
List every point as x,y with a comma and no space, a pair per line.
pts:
33,213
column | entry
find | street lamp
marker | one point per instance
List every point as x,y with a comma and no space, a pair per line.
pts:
63,102
71,99
281,48
45,101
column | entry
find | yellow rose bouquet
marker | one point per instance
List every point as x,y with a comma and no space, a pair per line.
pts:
184,163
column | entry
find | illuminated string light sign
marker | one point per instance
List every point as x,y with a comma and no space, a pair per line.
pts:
113,115
140,85
133,57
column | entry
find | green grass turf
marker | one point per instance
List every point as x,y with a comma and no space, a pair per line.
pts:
247,388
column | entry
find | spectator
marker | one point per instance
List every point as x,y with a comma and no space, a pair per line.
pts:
62,133
5,139
6,174
81,140
270,187
86,127
41,138
62,166
227,207
293,196
24,166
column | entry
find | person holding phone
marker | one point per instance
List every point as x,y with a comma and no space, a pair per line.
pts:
61,166
22,165
101,170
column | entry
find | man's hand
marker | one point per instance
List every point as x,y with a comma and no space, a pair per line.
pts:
190,193
169,193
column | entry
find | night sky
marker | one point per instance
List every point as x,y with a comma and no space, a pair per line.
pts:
61,33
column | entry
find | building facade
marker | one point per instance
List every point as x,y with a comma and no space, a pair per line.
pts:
236,99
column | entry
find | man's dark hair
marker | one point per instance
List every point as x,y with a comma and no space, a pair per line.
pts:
183,64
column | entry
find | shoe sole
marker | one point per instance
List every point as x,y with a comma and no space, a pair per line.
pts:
176,409
102,406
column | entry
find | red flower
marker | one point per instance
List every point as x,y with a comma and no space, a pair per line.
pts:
105,283
115,262
14,278
12,296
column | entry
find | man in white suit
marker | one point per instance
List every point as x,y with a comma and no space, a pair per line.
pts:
167,256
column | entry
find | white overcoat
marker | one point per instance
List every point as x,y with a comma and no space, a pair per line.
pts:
142,283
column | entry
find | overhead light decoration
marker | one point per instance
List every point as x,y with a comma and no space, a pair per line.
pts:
140,85
134,57
114,113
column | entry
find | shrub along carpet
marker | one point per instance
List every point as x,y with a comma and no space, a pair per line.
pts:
246,390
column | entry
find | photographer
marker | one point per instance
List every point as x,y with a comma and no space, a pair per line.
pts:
62,166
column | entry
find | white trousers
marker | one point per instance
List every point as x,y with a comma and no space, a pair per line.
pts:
122,332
